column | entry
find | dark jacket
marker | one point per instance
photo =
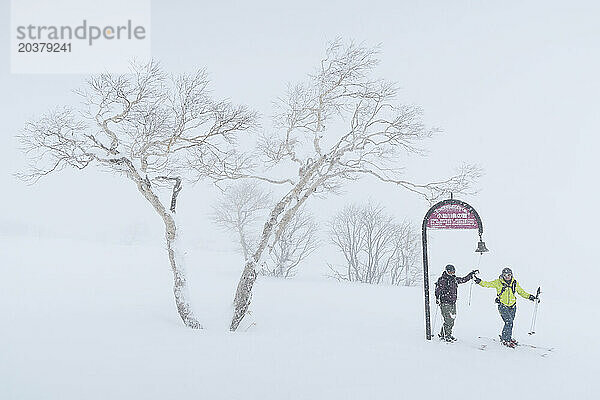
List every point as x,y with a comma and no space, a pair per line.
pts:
447,286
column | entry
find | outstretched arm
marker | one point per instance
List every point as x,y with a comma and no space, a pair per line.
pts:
465,278
523,293
491,284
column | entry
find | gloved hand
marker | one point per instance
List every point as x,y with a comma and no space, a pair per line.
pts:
475,272
476,279
533,298
437,301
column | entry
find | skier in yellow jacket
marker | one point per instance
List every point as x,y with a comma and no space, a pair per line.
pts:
507,288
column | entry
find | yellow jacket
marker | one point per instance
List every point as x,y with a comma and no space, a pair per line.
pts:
508,295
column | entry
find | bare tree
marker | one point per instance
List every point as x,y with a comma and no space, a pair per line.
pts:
405,268
148,127
338,125
242,205
345,232
238,210
296,242
375,247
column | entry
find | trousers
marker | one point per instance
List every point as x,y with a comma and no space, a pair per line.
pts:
508,316
449,314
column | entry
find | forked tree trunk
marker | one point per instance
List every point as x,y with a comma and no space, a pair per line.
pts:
179,278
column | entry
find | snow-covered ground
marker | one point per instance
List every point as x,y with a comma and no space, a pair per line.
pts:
82,320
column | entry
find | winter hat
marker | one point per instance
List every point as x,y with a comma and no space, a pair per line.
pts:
506,271
450,268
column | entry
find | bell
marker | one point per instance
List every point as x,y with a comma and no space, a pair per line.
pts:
481,247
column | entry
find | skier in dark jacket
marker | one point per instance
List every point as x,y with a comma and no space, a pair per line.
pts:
446,289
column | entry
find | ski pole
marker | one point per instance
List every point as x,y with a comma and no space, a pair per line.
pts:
435,317
535,310
471,287
470,291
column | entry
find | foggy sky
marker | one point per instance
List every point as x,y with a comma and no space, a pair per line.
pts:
513,85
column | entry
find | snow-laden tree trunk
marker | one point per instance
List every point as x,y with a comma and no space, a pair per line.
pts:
180,290
243,294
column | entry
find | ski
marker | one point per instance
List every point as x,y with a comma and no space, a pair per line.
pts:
531,346
536,347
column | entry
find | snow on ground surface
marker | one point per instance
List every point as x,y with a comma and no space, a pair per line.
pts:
87,321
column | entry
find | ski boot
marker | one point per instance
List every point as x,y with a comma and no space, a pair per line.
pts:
448,338
507,343
513,341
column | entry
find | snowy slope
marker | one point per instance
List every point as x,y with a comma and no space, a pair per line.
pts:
88,321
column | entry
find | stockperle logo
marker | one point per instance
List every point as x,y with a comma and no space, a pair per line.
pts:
85,31
78,36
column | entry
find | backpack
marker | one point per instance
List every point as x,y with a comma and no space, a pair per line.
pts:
512,285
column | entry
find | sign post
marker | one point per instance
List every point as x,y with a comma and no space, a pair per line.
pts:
447,214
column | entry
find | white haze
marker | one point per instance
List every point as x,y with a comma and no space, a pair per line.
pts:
513,85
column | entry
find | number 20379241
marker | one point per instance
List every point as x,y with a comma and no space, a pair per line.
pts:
44,47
